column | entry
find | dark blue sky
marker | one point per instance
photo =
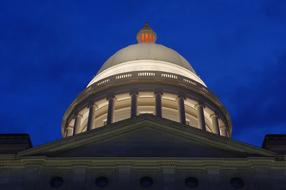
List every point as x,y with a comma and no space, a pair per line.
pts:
50,50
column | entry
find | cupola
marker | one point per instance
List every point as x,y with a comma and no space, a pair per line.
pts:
146,35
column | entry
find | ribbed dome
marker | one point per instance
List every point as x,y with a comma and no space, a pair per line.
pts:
146,51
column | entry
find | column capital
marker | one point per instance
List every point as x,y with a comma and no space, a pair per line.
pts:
110,96
199,104
75,112
158,91
223,127
182,95
92,104
78,114
133,92
215,115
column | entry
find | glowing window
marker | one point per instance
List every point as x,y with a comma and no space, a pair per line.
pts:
122,107
170,107
146,103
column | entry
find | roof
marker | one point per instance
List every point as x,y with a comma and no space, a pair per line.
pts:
166,138
275,143
13,143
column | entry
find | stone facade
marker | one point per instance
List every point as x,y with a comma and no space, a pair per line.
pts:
130,155
39,173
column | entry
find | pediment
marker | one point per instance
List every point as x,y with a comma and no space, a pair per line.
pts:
147,142
146,137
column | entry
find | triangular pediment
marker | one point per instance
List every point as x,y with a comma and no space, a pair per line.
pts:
146,136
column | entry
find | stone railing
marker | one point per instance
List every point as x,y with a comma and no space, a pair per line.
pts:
149,75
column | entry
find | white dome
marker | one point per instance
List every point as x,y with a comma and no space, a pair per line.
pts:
146,57
146,51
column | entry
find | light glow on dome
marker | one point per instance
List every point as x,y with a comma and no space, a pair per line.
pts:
146,65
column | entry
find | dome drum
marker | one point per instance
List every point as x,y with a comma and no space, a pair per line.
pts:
173,96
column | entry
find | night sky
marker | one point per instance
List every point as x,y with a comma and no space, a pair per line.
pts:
50,50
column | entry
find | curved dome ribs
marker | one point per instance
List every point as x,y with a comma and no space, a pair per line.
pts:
146,78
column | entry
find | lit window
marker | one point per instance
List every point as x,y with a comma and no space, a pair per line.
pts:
146,103
122,107
170,107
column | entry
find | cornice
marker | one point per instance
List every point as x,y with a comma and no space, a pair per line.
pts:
150,162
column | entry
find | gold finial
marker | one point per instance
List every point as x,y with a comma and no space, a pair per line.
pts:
146,35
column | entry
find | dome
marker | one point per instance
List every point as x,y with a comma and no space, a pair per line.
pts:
146,51
146,55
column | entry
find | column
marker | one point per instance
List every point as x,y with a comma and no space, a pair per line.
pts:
77,123
182,109
133,95
158,99
110,109
201,116
90,122
215,123
227,132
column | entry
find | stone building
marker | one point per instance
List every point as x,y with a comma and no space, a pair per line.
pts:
145,121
